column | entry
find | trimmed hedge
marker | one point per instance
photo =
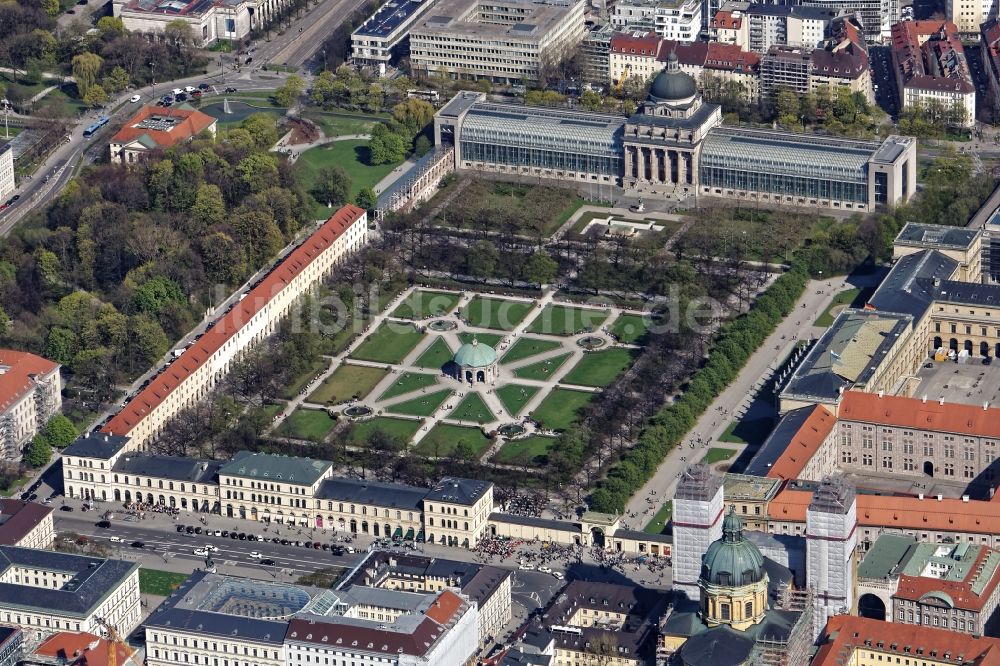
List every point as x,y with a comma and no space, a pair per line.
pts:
734,345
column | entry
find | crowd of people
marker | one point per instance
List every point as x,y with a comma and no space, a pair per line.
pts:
518,504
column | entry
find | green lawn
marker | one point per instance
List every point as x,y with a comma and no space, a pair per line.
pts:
542,371
659,522
425,405
436,355
561,408
472,408
421,304
599,368
272,410
840,300
348,381
390,343
443,438
160,583
352,156
515,396
729,434
401,429
407,382
563,320
717,454
337,124
630,329
296,385
498,313
531,450
311,424
490,339
525,347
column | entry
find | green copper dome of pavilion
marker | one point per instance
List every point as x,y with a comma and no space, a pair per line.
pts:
732,561
475,355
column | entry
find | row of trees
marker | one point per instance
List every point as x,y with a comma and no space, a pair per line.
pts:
736,342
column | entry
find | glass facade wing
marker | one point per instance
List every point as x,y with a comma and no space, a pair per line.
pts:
542,138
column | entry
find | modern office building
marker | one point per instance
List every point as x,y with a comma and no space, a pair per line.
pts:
507,42
383,38
596,52
195,372
931,70
676,145
30,394
671,19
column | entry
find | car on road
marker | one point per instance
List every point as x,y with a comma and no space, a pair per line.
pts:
217,533
65,507
558,575
255,555
116,539
267,562
180,528
181,97
524,566
104,524
134,98
231,90
200,552
138,544
234,535
350,549
337,550
547,570
211,548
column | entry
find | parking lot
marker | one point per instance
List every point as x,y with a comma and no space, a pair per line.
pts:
970,382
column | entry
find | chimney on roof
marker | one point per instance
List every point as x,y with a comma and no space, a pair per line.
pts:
924,399
941,400
986,405
920,496
965,498
881,393
939,497
105,438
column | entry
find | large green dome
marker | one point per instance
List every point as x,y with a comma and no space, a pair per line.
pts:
732,561
474,355
671,84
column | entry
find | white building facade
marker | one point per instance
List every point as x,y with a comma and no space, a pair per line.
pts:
30,391
831,537
698,509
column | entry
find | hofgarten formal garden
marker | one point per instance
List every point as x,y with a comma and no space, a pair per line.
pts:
500,376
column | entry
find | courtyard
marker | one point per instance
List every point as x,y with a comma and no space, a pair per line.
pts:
541,363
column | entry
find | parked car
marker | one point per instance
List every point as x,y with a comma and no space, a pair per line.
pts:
65,507
337,550
189,89
350,549
524,566
134,98
138,544
545,569
204,86
217,533
181,97
180,528
558,575
267,562
200,552
176,91
231,90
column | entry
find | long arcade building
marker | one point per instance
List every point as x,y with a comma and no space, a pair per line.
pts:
676,145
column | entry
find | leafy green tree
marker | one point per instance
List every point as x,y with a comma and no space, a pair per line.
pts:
414,113
422,145
147,341
4,321
61,345
366,199
290,90
262,128
385,147
111,26
223,258
540,268
51,7
117,80
60,431
258,171
483,258
209,208
38,452
86,67
155,294
179,34
332,186
95,97
258,233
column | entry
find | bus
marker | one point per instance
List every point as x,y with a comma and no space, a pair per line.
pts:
92,130
426,95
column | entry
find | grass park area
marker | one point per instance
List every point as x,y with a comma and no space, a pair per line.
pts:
436,355
160,583
599,368
299,382
531,450
630,329
525,347
658,523
472,408
542,371
491,339
390,343
441,441
424,405
340,124
348,381
515,396
561,408
353,156
717,454
421,304
400,429
408,382
272,410
840,301
563,320
311,424
482,312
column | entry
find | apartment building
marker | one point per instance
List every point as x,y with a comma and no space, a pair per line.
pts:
989,42
840,69
487,586
268,487
506,42
785,68
30,394
670,19
970,15
191,376
931,70
25,524
87,465
7,183
757,27
943,585
45,591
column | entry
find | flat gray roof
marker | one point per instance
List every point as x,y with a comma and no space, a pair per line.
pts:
937,236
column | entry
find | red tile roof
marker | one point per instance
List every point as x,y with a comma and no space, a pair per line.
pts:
724,20
19,518
916,43
635,43
16,378
914,588
804,445
846,633
88,649
229,324
730,57
193,122
914,413
688,53
444,607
